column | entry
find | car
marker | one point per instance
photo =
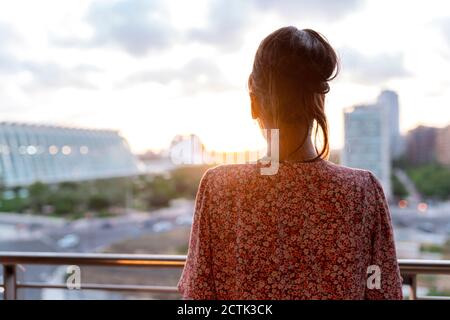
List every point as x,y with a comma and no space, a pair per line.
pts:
68,241
106,225
162,226
148,223
183,220
427,227
402,223
21,226
34,226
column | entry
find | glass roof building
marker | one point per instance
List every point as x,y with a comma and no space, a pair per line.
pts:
52,154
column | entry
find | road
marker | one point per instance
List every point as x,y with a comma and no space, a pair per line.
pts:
436,219
413,194
20,234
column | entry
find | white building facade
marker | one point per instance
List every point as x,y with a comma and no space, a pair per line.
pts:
389,100
52,154
367,142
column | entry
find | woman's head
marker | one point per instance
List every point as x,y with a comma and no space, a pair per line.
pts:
289,81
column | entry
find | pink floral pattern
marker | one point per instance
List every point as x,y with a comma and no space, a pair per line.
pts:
308,232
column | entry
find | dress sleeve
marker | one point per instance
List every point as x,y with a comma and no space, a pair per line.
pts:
197,280
384,257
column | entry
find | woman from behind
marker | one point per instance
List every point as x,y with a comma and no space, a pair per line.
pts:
308,230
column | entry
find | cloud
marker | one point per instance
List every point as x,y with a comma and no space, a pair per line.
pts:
8,38
197,75
7,34
372,69
44,75
227,20
444,26
143,26
137,26
8,63
52,76
47,75
319,9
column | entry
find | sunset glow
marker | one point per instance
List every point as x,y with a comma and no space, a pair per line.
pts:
152,71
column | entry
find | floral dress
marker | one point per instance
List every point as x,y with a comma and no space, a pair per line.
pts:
313,230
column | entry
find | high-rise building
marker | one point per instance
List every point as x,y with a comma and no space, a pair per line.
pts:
443,146
421,145
372,137
389,100
367,142
52,154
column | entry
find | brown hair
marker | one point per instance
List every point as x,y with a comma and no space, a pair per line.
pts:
290,77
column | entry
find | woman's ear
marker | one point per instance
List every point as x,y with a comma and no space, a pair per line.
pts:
253,100
254,106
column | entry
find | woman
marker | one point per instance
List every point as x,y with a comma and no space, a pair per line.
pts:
311,230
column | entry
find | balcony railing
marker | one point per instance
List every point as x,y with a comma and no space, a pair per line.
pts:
10,261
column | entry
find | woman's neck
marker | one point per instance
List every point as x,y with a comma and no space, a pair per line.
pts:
297,152
293,145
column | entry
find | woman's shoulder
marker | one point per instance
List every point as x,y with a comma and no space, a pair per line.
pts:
361,177
230,171
226,177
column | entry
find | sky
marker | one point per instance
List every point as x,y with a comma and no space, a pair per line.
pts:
153,69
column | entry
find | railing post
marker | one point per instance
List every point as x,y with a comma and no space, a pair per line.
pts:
413,287
10,282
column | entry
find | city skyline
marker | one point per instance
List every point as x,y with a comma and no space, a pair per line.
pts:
152,71
164,149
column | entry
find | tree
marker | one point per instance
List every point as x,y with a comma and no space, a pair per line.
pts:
38,196
399,189
98,202
432,180
158,192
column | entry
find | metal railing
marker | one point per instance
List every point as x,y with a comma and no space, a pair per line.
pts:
410,269
10,261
